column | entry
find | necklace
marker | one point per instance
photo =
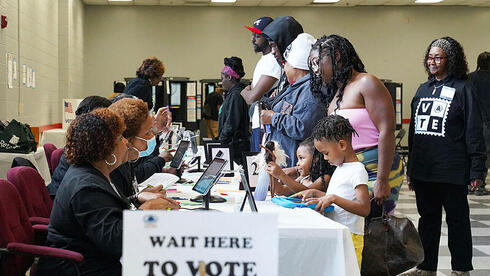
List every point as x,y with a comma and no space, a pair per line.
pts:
435,87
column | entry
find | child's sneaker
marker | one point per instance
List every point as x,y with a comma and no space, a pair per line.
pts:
460,273
419,272
481,191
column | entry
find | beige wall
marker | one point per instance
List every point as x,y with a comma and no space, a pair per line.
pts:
38,36
71,50
192,41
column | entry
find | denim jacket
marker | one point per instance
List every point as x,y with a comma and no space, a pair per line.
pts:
296,113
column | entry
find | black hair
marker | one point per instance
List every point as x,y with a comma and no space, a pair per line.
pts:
457,67
122,96
483,62
236,64
119,87
334,46
320,167
333,128
90,103
308,143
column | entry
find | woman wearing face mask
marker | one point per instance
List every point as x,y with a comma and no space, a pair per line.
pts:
87,211
142,145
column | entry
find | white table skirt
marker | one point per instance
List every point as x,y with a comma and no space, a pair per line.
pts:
55,136
309,243
37,158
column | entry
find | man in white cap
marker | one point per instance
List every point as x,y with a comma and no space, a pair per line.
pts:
294,112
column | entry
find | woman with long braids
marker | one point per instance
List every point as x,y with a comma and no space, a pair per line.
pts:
447,152
341,82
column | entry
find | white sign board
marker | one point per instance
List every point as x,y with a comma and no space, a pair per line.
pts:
68,108
199,243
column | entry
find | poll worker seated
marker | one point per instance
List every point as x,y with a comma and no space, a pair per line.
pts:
87,211
142,144
124,176
86,105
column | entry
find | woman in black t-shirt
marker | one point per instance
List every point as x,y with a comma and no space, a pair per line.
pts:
149,74
447,152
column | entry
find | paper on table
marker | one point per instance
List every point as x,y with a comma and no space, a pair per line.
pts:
165,179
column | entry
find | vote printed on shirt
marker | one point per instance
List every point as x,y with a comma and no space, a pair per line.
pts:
431,115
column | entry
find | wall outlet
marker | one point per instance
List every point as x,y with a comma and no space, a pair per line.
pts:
21,108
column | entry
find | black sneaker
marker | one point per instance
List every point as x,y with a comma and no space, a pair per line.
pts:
481,191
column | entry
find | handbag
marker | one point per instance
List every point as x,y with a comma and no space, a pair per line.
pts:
391,246
16,137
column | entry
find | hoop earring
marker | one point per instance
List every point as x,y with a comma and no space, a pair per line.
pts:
111,163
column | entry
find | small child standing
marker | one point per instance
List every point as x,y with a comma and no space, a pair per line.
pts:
347,190
288,185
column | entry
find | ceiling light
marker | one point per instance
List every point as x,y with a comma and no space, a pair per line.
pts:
427,1
325,1
223,1
120,0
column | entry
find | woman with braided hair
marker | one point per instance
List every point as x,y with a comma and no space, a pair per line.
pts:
339,79
447,152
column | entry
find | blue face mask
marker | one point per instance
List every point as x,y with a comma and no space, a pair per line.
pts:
150,146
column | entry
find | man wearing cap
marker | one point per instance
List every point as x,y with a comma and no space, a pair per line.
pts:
266,75
280,33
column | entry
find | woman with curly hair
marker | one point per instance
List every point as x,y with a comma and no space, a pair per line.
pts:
340,81
87,211
447,152
149,74
144,157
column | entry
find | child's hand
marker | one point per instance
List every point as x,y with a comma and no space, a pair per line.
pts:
274,170
310,193
322,202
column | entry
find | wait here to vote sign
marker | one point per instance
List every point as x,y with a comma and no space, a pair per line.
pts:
199,243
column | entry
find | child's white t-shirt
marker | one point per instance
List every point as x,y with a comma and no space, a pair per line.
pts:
345,179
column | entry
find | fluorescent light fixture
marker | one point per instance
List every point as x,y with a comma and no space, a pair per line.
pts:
120,0
223,1
325,1
427,1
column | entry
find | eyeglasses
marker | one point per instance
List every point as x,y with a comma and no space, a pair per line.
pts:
437,60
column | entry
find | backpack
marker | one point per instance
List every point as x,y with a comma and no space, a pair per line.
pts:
16,137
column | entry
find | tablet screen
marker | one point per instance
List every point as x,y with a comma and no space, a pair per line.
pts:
179,154
209,177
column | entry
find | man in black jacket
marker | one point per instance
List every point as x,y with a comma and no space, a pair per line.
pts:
233,120
481,81
280,33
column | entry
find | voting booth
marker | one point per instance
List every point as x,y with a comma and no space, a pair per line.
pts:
396,93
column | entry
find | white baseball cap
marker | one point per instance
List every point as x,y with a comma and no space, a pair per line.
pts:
298,51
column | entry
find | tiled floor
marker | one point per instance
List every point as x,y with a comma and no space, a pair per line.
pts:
480,230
